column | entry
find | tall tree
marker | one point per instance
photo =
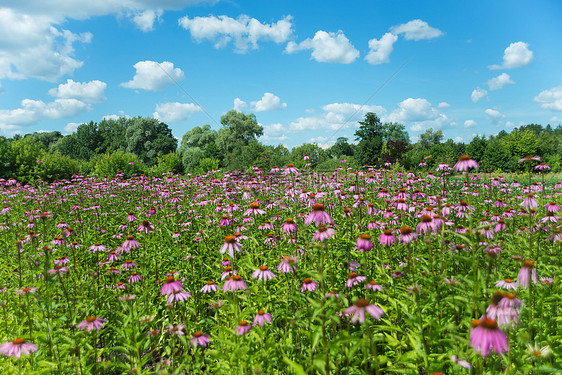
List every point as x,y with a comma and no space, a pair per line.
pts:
370,137
147,138
237,132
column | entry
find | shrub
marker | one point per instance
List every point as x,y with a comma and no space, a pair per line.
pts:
119,161
57,167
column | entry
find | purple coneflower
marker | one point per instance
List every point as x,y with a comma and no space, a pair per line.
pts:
354,279
331,293
528,158
287,264
199,339
460,362
374,286
91,323
323,233
17,347
209,287
96,247
364,243
407,235
261,318
289,227
27,290
134,278
230,244
309,285
131,217
318,216
290,169
176,330
129,244
529,202
552,207
263,273
465,163
61,261
506,284
254,210
526,273
178,295
426,225
387,238
357,310
145,227
243,328
170,285
486,335
58,269
234,283
129,264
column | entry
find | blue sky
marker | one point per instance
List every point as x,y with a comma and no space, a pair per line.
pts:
308,70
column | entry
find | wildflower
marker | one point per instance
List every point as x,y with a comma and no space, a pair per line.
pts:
287,264
263,273
128,264
486,335
387,238
309,285
211,286
59,270
199,339
176,330
527,272
407,235
459,362
358,311
243,328
465,163
529,202
127,297
17,347
290,169
323,233
261,318
552,207
528,158
254,209
364,243
170,285
230,244
130,244
426,225
289,227
145,227
234,283
91,323
507,284
538,352
178,295
331,293
318,216
547,280
134,278
96,247
374,286
131,217
354,279
28,290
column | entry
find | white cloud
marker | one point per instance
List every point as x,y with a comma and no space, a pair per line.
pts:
470,124
91,92
555,120
239,105
115,117
327,47
274,133
509,124
516,55
550,99
380,50
416,30
458,139
500,81
71,127
268,102
32,47
244,31
336,116
494,116
32,111
322,142
478,94
443,105
420,114
144,19
154,76
175,112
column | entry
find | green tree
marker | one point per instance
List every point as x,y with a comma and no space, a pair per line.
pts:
477,147
147,138
370,140
49,139
198,143
430,138
341,148
237,132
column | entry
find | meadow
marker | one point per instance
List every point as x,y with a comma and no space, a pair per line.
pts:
282,271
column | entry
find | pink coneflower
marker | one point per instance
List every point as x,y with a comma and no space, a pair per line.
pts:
178,295
209,287
289,227
176,330
254,210
549,217
309,285
58,269
28,290
357,310
230,244
552,207
387,238
61,261
129,244
261,318
529,202
465,163
199,339
287,264
374,286
364,243
331,293
227,271
528,158
131,217
91,323
96,247
129,264
128,297
460,362
323,233
17,347
526,273
234,283
354,279
290,169
426,225
507,284
486,335
145,227
170,285
263,273
407,235
113,256
243,328
134,278
318,216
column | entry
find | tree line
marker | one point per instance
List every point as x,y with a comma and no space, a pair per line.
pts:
146,146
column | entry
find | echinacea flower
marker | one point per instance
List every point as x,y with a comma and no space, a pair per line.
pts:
263,273
243,328
526,274
230,244
309,285
357,310
176,330
199,339
486,335
211,286
354,279
460,362
465,163
323,233
407,235
364,243
287,264
507,284
170,286
318,216
261,318
91,323
178,295
387,238
17,347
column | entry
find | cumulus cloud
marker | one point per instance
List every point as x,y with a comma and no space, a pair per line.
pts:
274,133
380,50
327,47
478,94
470,124
32,111
443,105
175,112
268,102
555,120
239,105
32,47
154,76
144,19
516,55
91,92
336,116
550,99
416,30
500,81
420,114
494,116
245,32
71,127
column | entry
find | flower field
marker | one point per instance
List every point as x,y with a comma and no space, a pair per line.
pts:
282,271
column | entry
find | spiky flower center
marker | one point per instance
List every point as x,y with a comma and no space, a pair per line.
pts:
352,275
464,158
254,205
308,280
405,230
387,232
365,236
318,207
18,341
230,239
261,312
169,279
361,303
528,264
197,334
236,277
243,323
90,319
263,268
426,219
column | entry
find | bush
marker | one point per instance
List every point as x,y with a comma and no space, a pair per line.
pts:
57,167
208,164
169,163
119,161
